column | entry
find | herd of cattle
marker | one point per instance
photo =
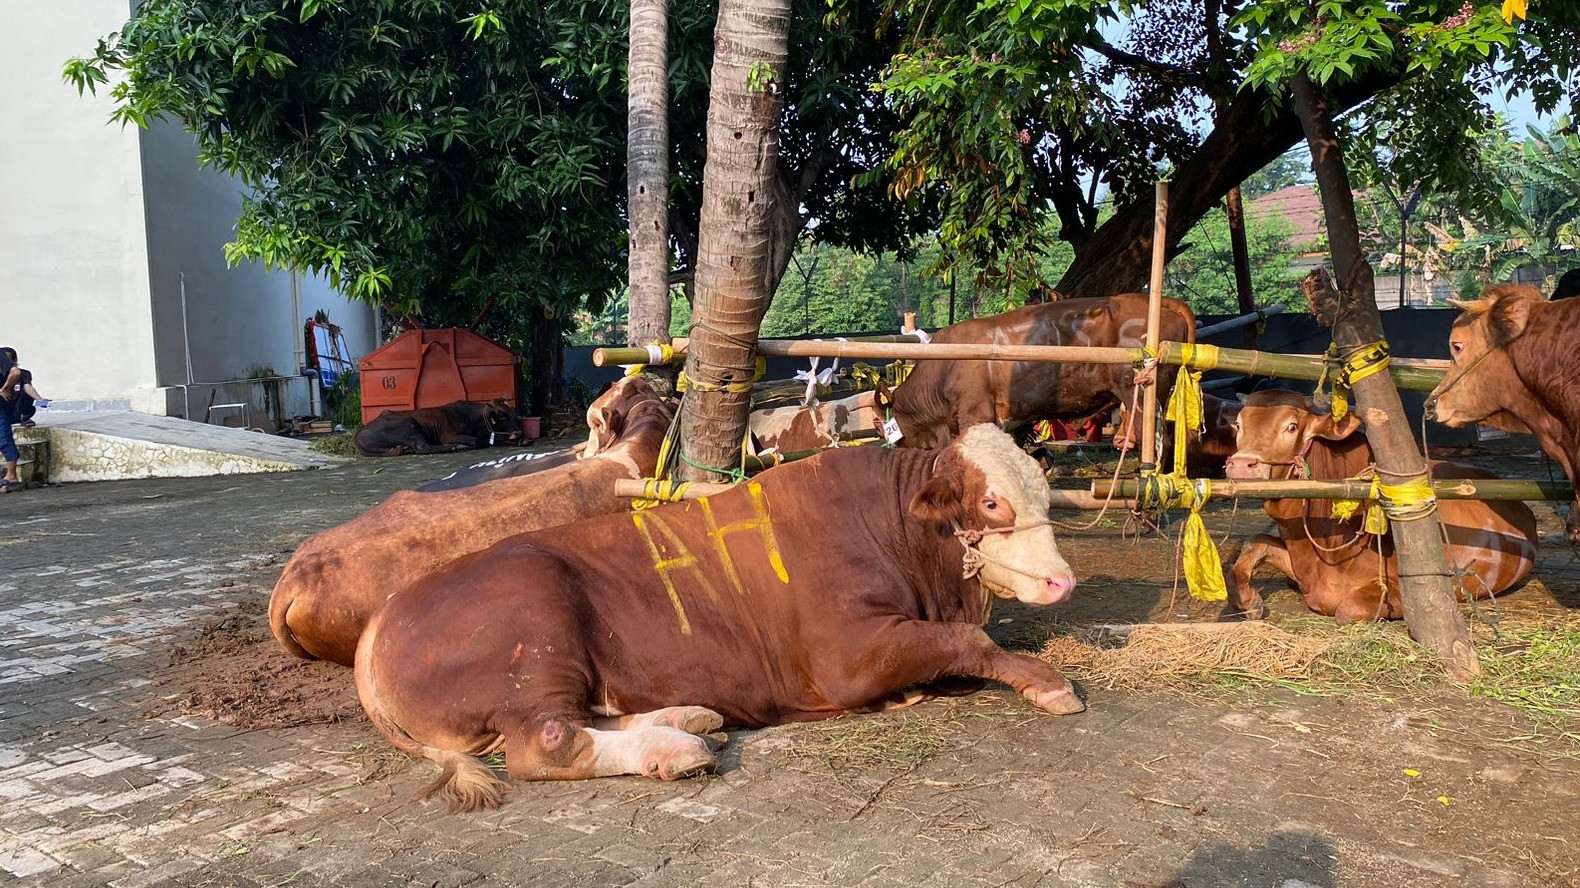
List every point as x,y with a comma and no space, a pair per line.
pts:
519,607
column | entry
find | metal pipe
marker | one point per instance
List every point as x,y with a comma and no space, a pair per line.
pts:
1235,323
1444,488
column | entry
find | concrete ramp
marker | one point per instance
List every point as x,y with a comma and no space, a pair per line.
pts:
118,446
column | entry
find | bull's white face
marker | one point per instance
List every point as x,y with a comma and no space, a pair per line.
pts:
1024,564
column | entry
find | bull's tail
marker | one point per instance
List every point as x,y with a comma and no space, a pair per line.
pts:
463,783
279,612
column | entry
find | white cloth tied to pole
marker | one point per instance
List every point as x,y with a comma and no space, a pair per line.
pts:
814,378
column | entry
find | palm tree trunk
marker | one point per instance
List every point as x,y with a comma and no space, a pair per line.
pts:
735,255
647,173
1424,579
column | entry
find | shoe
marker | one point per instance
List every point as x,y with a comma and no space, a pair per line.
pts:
28,423
8,486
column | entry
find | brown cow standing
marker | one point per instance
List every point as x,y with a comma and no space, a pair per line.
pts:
1491,545
1516,365
818,588
941,397
339,577
458,425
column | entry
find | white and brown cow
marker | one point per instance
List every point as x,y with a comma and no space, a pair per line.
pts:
824,424
339,577
818,588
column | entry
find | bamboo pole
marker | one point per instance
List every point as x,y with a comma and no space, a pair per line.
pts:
1414,374
1149,394
1058,499
1445,488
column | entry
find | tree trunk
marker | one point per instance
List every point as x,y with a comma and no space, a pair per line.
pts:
1245,300
548,362
1424,579
1117,257
735,250
647,174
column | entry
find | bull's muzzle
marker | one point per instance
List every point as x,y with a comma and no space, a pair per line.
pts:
1245,467
1431,409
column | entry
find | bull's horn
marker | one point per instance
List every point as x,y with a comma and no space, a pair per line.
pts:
1470,306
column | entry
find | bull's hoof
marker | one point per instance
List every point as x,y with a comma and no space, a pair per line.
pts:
1059,701
680,761
691,719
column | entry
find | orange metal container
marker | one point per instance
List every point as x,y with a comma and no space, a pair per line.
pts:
431,368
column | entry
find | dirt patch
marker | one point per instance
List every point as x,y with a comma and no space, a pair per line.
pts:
232,671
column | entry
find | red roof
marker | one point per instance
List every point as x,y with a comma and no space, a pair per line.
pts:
1299,206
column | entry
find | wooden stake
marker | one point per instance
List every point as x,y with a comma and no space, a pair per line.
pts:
1149,394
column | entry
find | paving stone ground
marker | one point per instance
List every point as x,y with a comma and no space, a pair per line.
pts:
103,783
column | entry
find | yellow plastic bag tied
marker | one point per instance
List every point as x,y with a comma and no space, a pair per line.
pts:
1203,567
1185,412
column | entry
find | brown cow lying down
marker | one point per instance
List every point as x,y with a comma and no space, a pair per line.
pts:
340,576
1517,366
940,398
458,425
819,588
1333,561
788,429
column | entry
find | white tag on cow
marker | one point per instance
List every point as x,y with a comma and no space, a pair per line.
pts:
891,430
491,439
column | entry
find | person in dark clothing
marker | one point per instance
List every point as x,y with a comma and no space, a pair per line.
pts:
10,374
26,399
1568,285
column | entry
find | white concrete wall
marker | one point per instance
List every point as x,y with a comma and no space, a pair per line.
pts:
239,322
99,226
74,297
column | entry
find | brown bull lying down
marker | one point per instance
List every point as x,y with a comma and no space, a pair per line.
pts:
940,398
788,429
1516,366
339,577
458,425
1491,545
604,647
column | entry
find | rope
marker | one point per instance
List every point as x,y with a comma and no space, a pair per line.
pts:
684,382
1343,371
1199,357
1202,563
973,559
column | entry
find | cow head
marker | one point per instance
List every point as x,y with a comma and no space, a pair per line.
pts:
611,412
1476,387
501,420
984,484
1275,429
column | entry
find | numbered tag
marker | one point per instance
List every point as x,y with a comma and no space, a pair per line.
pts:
891,430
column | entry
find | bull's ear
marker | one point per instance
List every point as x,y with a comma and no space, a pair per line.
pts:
1337,429
939,500
1511,311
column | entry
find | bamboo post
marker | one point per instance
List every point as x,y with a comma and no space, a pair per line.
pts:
1149,395
1351,489
1415,374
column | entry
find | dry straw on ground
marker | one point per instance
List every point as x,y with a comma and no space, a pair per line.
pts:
1150,652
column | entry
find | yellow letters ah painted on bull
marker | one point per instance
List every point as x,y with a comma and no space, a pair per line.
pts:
759,522
684,560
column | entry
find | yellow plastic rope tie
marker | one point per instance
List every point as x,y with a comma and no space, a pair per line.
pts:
656,492
1199,357
657,353
684,382
1363,362
1410,501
